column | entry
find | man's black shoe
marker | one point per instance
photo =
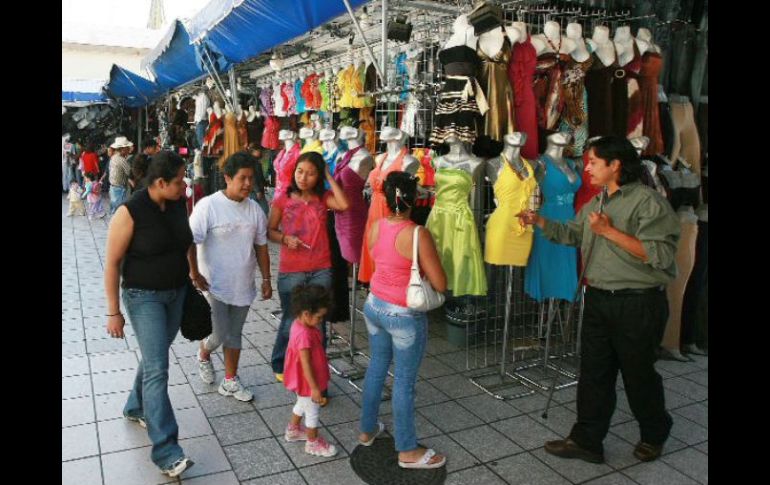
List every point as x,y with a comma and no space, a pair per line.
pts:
569,449
647,452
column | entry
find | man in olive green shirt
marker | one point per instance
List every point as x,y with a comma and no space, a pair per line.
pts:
634,245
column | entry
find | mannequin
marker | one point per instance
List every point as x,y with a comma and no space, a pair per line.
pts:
494,50
516,32
552,268
644,35
395,159
218,109
624,45
602,46
310,140
575,34
331,149
252,114
550,41
285,161
462,34
213,141
640,144
451,221
201,116
507,241
361,162
490,43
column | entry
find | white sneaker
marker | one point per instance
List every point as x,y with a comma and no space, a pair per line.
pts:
320,447
233,388
206,369
178,467
137,419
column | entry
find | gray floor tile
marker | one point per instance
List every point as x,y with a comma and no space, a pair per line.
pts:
296,451
272,395
704,447
286,478
79,442
223,478
488,408
116,361
192,423
560,419
485,443
182,396
256,375
478,475
525,469
457,457
426,394
690,462
277,418
73,349
207,454
337,472
689,432
77,411
110,406
526,432
612,479
695,412
273,458
117,381
455,386
77,386
237,428
618,453
74,366
657,473
700,377
431,367
121,434
423,427
106,345
87,471
450,416
216,405
576,471
340,409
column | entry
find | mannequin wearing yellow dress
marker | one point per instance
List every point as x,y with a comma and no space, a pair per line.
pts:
508,243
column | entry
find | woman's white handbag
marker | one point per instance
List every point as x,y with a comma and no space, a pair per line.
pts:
420,295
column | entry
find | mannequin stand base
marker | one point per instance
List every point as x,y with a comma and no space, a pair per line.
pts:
378,465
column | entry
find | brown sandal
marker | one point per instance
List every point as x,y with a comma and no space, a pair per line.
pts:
647,452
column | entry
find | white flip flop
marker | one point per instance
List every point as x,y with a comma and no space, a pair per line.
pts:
380,429
424,462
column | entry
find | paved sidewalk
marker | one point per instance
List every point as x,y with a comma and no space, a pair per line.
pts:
486,441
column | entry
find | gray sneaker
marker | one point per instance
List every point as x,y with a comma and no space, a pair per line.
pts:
206,369
233,388
136,419
178,467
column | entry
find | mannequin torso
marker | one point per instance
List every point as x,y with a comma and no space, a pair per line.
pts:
492,42
602,46
511,154
555,150
550,41
624,45
575,34
362,162
462,34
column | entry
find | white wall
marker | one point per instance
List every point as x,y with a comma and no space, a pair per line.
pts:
94,62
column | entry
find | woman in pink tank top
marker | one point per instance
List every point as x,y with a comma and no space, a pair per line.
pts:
397,333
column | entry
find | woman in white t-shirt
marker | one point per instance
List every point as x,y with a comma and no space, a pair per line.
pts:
231,230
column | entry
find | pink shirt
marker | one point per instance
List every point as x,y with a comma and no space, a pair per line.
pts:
392,271
304,337
307,221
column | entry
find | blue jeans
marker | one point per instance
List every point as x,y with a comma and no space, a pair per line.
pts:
399,334
286,283
117,196
155,317
200,132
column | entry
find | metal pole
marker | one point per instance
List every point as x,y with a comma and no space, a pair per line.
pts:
383,61
361,33
233,88
138,128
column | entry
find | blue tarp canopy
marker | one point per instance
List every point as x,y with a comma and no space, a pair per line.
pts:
82,91
242,29
174,62
131,89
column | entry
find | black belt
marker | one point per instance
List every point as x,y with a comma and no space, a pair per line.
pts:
628,291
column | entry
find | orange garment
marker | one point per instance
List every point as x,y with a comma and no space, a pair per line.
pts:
243,132
231,138
377,209
366,117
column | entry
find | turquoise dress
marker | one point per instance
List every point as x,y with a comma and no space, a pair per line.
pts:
298,95
552,268
453,228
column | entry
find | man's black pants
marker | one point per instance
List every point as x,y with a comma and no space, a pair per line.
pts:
621,332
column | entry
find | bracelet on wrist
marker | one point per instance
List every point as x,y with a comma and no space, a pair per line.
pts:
115,314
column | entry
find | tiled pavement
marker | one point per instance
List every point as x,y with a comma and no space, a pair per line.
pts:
487,441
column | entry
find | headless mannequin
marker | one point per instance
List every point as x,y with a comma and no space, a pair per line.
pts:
624,45
330,145
218,110
462,34
459,158
396,139
602,46
575,34
645,35
289,139
491,43
550,41
516,32
512,153
556,145
252,114
362,162
307,135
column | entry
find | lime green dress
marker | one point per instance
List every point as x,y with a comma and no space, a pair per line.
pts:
454,230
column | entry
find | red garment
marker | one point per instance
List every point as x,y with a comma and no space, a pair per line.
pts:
586,191
214,141
307,221
90,163
652,64
307,93
198,194
270,133
521,72
304,337
635,106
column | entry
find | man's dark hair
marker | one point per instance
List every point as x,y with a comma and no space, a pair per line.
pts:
237,161
613,147
139,170
149,143
164,165
311,298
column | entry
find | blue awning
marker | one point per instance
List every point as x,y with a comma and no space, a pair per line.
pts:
174,62
131,89
82,91
242,29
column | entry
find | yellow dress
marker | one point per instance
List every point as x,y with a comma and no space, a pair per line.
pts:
346,85
509,243
357,86
313,146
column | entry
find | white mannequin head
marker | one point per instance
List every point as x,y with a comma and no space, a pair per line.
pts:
252,109
601,34
285,135
521,27
623,34
452,140
515,35
306,133
460,24
640,143
515,139
348,133
552,30
644,34
560,139
390,134
574,31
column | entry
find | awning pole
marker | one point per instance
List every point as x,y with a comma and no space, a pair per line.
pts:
368,47
233,88
384,43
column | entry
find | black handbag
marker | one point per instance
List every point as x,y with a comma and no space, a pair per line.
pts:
196,315
485,17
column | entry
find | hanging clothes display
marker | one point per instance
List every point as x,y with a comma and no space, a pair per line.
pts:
313,146
366,124
347,87
266,101
231,138
521,73
454,231
299,99
493,75
461,100
323,88
508,242
547,88
652,65
378,207
635,106
607,94
284,164
287,92
349,225
255,128
243,132
574,115
279,101
270,133
552,268
370,84
213,142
